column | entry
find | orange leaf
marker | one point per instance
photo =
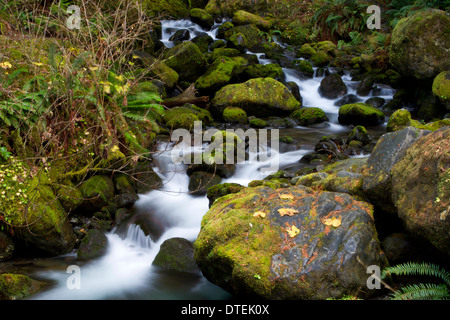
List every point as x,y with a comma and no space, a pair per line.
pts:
289,212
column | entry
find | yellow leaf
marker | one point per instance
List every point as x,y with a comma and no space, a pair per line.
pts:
293,231
6,65
289,212
38,64
287,196
335,222
259,214
93,68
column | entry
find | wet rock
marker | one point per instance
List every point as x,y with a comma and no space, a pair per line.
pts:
93,245
360,114
187,60
202,18
18,286
180,36
200,181
221,190
6,247
248,244
98,192
309,116
332,86
176,254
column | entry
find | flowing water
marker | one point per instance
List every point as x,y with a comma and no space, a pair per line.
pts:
126,271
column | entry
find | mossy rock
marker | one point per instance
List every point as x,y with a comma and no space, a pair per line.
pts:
18,286
202,18
360,114
93,245
305,67
326,46
306,51
176,254
401,119
258,123
187,60
224,27
309,116
98,192
242,17
248,246
222,52
229,7
158,68
234,115
332,87
182,121
272,70
441,88
260,97
188,108
170,8
320,59
421,189
221,190
220,73
243,37
422,34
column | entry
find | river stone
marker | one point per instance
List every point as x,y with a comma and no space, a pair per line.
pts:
98,192
332,86
420,44
200,181
220,190
421,189
18,286
187,60
93,245
360,114
244,245
260,97
176,254
389,150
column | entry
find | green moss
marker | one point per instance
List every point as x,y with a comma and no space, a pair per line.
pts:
272,70
171,8
305,67
441,88
242,17
201,114
187,60
182,120
360,114
306,51
401,119
320,59
202,17
309,116
18,286
234,115
258,123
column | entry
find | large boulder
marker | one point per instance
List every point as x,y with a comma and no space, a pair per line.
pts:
187,60
98,192
421,189
260,97
157,68
243,37
18,286
401,119
420,44
360,114
389,150
93,245
291,243
242,17
309,116
170,8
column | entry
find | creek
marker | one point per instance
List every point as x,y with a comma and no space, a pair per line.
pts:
126,271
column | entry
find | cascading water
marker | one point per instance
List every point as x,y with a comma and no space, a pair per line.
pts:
126,270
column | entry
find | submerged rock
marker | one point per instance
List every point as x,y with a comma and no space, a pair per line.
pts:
360,114
176,254
291,243
92,246
332,86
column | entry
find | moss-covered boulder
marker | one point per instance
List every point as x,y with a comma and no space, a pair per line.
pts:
220,73
290,243
306,51
242,17
305,67
272,70
221,190
187,60
420,44
401,119
234,115
144,178
261,97
332,86
93,245
176,254
390,149
243,37
421,189
320,58
157,68
309,116
98,192
202,18
18,286
360,114
257,122
170,8
188,108
441,88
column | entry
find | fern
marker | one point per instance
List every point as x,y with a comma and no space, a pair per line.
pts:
420,291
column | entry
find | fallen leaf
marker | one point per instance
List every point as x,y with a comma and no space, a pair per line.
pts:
293,231
260,214
286,196
5,65
335,222
289,212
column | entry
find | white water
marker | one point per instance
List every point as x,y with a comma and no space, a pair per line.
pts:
126,271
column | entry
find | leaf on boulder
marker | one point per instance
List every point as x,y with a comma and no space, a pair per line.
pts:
287,196
260,214
292,231
290,212
335,222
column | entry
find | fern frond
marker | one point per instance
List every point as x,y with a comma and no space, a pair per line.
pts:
422,291
424,269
